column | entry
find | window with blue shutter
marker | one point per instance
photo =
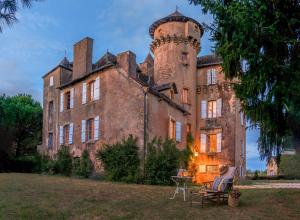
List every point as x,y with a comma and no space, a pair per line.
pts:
71,134
61,107
61,135
178,131
96,128
83,131
203,109
72,98
97,89
203,143
83,101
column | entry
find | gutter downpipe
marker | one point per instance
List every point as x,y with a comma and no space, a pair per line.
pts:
146,89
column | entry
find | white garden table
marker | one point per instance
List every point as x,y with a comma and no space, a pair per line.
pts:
182,184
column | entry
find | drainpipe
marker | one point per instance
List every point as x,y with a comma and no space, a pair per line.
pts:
145,125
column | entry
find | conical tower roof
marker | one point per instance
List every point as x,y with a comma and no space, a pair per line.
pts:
175,16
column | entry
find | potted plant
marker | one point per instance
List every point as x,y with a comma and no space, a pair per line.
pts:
234,198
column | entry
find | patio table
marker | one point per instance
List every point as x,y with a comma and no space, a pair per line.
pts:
182,184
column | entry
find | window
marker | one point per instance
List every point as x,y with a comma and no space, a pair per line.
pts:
202,168
184,58
90,129
185,94
66,134
68,100
188,128
175,130
172,129
212,168
50,140
212,109
91,90
211,77
50,115
171,94
212,143
51,83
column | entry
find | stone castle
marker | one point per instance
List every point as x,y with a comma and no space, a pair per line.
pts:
175,93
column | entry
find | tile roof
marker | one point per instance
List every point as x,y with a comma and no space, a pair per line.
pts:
175,16
107,58
208,60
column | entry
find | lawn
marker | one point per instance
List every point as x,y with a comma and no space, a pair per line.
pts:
30,196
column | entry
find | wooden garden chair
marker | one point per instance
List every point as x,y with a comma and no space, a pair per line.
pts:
216,190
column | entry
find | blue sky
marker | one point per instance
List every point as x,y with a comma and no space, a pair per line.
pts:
49,29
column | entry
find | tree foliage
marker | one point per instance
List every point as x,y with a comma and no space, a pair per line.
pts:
121,160
20,125
162,162
9,8
258,41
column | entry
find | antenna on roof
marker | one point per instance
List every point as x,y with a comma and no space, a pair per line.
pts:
65,53
177,8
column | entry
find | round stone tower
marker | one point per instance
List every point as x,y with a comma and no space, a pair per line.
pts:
175,45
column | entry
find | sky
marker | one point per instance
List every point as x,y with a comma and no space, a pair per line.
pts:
47,32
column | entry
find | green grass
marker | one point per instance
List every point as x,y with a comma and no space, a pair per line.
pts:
255,182
29,196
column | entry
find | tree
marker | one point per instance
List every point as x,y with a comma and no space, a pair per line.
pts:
9,8
258,41
20,125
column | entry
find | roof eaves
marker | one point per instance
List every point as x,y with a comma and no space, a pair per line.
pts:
59,65
168,100
85,76
209,64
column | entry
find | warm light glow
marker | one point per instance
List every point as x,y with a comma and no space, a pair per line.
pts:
196,154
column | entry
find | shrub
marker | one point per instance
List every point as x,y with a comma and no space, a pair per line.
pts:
64,161
162,162
289,166
76,169
85,164
121,160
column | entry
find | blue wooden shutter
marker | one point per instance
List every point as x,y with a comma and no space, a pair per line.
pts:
83,131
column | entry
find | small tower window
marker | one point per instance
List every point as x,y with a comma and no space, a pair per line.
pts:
184,58
188,128
185,96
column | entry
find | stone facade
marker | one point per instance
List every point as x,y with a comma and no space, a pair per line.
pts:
87,105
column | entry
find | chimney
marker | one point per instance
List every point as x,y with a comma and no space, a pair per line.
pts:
83,55
127,61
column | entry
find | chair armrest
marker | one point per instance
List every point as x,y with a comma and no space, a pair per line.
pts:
208,184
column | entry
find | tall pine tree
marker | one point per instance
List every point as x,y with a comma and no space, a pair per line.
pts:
258,41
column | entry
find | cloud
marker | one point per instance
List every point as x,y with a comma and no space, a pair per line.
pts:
23,54
124,26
